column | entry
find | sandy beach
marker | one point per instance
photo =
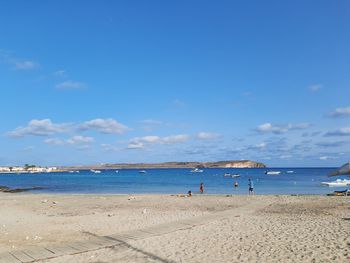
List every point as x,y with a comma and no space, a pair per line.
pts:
263,229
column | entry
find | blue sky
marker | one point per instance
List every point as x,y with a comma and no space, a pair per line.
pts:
86,82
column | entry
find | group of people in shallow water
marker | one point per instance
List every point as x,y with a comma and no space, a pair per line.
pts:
250,187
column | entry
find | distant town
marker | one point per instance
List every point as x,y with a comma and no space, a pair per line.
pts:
29,169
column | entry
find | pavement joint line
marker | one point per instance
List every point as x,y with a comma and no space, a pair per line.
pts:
79,250
104,242
62,249
8,258
21,256
38,253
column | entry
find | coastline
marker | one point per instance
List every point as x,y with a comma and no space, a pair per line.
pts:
173,181
265,227
166,165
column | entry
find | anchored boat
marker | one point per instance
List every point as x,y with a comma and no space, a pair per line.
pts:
338,182
196,170
273,172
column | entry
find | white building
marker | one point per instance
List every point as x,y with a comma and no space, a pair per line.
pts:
4,169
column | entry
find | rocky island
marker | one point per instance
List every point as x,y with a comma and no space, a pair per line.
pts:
219,164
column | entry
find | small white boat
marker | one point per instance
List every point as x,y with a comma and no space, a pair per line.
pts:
290,172
338,182
116,171
142,172
235,175
227,175
273,172
196,170
95,171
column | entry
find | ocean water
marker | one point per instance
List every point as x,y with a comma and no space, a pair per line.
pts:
175,181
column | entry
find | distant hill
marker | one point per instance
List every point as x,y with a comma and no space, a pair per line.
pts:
220,164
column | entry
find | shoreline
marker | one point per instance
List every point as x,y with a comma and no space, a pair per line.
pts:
153,194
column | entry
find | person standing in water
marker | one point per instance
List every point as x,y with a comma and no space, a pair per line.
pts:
251,186
201,188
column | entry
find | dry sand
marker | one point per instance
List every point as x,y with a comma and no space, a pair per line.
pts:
274,229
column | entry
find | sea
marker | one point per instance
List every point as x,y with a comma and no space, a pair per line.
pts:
177,181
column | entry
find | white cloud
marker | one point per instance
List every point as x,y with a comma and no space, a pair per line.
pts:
267,127
20,64
78,139
207,136
44,127
54,141
25,65
261,145
137,145
278,129
60,73
141,142
68,85
287,156
149,139
340,132
315,87
176,138
340,112
108,126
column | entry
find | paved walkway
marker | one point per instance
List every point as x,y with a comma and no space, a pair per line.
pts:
99,242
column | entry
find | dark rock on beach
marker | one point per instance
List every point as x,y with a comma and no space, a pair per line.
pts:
6,189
